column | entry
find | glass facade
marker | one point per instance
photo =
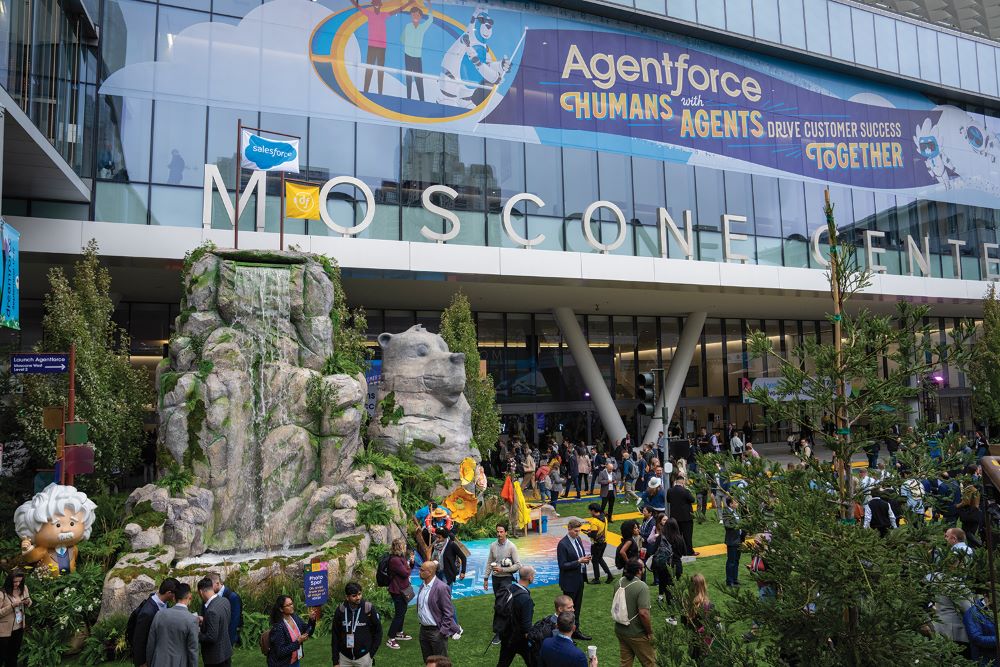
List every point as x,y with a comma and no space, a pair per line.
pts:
48,65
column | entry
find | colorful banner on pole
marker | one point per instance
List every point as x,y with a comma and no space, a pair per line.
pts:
10,274
301,201
269,154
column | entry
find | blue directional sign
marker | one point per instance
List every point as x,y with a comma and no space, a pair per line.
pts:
39,363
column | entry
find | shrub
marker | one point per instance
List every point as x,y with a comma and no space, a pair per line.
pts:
374,513
254,624
106,642
420,483
176,479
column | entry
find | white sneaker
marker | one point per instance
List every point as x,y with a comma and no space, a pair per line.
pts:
659,598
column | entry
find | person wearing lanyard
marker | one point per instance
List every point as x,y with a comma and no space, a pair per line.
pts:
14,598
573,561
436,613
357,630
288,633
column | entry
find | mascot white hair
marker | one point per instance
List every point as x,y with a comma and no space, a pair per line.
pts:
51,524
468,69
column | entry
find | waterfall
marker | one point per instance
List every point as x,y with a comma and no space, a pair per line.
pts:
262,315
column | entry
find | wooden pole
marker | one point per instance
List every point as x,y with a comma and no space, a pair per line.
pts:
239,160
281,225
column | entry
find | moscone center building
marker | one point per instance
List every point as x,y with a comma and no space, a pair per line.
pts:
616,186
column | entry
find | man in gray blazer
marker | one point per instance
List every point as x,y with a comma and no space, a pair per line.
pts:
216,647
173,636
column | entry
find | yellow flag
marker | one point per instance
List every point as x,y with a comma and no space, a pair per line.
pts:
301,201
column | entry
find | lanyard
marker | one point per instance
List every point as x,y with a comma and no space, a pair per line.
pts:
349,626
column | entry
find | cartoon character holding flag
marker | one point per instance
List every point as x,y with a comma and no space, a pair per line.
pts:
468,69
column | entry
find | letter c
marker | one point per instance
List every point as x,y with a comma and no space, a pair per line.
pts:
509,227
369,205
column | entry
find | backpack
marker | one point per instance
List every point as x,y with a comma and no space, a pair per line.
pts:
503,610
265,641
382,571
539,632
133,618
628,469
619,606
664,555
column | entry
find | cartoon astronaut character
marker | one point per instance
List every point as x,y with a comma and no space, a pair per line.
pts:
956,148
468,69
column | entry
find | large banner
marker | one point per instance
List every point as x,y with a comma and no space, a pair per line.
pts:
547,76
10,275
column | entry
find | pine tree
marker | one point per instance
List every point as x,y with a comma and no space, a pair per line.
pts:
841,594
459,331
111,395
984,371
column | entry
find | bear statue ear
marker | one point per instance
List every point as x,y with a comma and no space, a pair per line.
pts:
384,338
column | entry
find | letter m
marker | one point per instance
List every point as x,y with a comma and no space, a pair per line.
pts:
213,179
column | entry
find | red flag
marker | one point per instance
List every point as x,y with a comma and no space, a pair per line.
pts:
79,459
507,493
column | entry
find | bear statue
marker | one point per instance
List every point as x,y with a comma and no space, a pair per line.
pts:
425,407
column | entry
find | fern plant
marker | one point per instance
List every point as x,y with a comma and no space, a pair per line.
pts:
176,480
374,513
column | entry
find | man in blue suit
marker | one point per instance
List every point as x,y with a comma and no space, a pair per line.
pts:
559,649
573,560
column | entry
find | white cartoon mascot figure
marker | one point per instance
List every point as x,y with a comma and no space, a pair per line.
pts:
50,526
957,149
469,70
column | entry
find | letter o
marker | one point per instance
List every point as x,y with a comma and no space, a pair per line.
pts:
509,228
587,232
324,193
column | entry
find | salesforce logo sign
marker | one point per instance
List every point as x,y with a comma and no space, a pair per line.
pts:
267,155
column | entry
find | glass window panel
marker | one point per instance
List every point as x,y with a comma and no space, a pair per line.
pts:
171,22
580,169
222,140
129,34
522,345
178,143
202,5
793,208
648,194
713,357
296,126
766,24
987,69
769,251
793,30
711,190
378,164
331,148
123,137
504,176
647,342
817,27
906,48
709,246
739,201
234,7
655,6
543,171
176,207
948,55
766,206
489,329
843,46
681,196
863,25
927,47
624,357
464,159
712,14
59,210
739,16
737,362
615,174
682,9
885,221
121,202
885,43
968,65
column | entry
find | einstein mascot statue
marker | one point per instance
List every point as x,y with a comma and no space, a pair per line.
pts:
50,526
468,69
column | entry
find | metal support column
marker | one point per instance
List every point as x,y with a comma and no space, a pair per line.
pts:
592,378
679,365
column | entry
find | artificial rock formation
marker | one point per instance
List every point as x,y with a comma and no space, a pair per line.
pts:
420,400
245,406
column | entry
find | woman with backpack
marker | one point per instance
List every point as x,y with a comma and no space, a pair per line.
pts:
665,557
287,634
676,539
400,590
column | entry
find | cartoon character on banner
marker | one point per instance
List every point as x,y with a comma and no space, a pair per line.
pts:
468,69
50,526
956,148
